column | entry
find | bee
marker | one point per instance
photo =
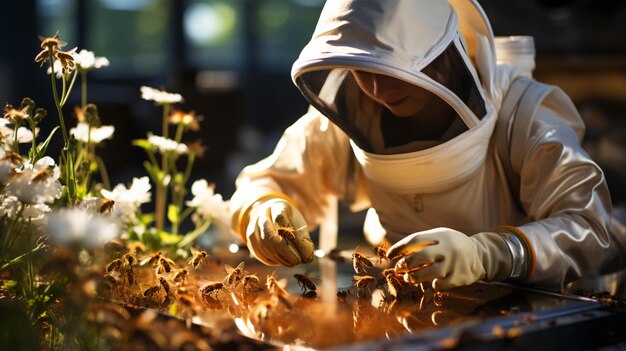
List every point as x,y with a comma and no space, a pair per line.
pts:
277,289
310,294
136,246
286,233
114,246
113,265
197,257
210,288
305,282
360,262
41,175
110,281
130,275
186,300
263,310
164,264
274,287
153,258
363,281
151,291
342,295
181,275
105,206
381,251
165,284
234,275
251,281
394,285
129,259
363,284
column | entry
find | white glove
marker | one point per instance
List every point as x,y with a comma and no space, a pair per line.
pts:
277,234
449,258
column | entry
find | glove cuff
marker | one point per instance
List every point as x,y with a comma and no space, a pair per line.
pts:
244,214
494,255
521,252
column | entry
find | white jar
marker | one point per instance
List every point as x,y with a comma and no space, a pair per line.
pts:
517,50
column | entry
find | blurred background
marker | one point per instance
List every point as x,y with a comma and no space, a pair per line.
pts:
231,61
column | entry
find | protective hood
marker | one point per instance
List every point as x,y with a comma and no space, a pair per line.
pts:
430,44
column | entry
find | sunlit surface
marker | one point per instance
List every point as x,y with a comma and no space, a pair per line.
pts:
208,23
296,310
132,5
213,29
233,248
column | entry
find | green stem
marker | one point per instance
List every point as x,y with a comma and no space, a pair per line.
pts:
83,95
152,158
56,99
190,162
179,132
166,112
103,173
19,258
186,213
7,239
161,193
69,89
193,235
161,197
33,144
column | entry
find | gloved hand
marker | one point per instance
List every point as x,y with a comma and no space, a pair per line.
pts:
277,234
449,258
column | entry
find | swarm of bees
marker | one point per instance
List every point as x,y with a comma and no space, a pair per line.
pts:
200,283
392,279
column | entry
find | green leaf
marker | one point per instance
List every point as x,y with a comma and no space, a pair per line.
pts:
179,179
143,143
93,166
41,151
71,178
173,214
8,284
151,170
168,239
147,218
190,237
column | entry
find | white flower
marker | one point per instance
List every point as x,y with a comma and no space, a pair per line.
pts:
87,61
166,145
138,193
36,184
75,226
24,135
159,96
81,133
206,202
34,213
58,69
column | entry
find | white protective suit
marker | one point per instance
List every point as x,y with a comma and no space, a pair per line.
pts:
349,147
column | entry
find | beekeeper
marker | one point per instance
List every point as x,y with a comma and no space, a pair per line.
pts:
404,97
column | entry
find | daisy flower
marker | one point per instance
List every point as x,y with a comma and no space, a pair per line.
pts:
81,133
76,226
206,201
167,145
36,184
86,60
160,97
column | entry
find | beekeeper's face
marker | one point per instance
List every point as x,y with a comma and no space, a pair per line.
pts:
401,98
